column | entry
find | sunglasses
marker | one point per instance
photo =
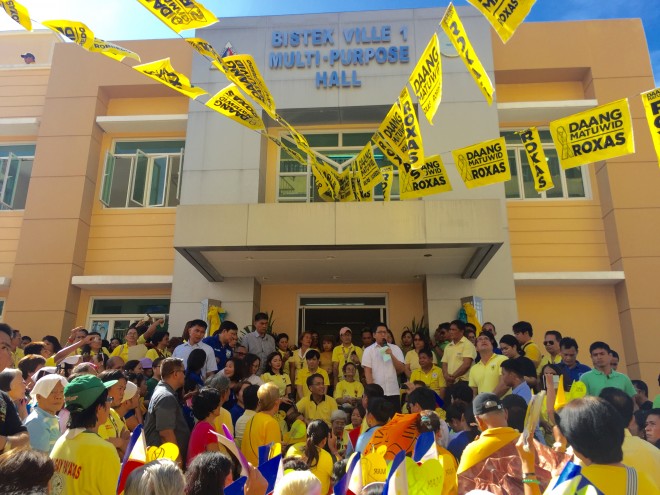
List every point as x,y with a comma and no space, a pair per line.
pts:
548,342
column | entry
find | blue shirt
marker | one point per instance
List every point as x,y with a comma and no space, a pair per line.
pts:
576,372
222,352
523,391
44,429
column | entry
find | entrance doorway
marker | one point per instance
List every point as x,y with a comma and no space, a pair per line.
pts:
327,314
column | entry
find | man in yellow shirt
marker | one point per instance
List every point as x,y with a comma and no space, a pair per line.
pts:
344,353
317,405
551,343
429,373
523,331
486,374
458,356
313,358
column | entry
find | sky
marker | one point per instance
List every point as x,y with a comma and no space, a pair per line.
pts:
127,19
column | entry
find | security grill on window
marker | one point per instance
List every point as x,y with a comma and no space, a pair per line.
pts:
15,171
143,174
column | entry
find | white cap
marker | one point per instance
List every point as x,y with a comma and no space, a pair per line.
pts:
46,384
41,372
131,389
73,359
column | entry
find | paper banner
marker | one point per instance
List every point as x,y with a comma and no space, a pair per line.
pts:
231,103
483,164
361,193
426,479
504,15
374,466
399,434
651,101
536,159
413,135
17,12
75,31
533,415
165,451
345,192
180,15
327,181
369,173
594,135
431,178
426,79
388,179
452,25
391,137
163,72
204,48
113,51
242,70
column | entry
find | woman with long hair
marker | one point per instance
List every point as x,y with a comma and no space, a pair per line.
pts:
11,382
320,463
298,361
406,342
234,370
159,340
275,373
262,428
412,358
252,365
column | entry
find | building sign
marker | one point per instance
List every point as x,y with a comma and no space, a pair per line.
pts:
338,67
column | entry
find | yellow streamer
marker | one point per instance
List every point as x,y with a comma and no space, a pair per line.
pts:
483,164
231,103
536,159
651,100
413,135
163,72
113,51
391,137
180,15
504,15
17,12
242,70
388,179
75,31
368,170
426,79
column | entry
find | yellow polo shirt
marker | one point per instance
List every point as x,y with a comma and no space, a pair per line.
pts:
485,376
260,430
301,379
642,455
434,378
153,354
412,360
113,427
532,352
17,355
282,381
612,480
547,359
341,354
322,469
352,389
308,408
454,355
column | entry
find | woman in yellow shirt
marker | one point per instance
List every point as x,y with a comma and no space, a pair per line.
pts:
160,340
298,361
274,374
131,349
262,428
412,358
312,452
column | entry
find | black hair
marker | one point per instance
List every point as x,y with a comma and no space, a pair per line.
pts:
281,336
312,353
379,324
556,334
406,332
460,391
642,386
248,361
6,329
427,352
516,408
260,316
523,327
593,428
640,419
158,337
312,377
131,365
491,337
455,411
57,347
599,345
6,377
568,343
511,341
338,470
460,324
87,418
365,330
513,366
348,363
471,327
373,390
614,353
205,402
197,323
425,397
381,409
227,325
25,471
445,325
554,367
292,463
196,360
239,369
250,398
621,401
317,430
109,375
207,473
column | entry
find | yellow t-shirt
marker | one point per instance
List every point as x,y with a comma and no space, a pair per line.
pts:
326,362
547,359
297,432
113,427
223,419
153,354
262,429
485,376
612,480
298,359
454,355
127,353
412,360
322,469
301,379
341,354
308,408
17,355
84,464
352,389
532,352
282,381
434,379
450,483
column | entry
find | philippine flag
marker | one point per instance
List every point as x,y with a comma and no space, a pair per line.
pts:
136,456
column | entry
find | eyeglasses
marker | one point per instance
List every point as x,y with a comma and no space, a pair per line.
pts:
549,342
109,400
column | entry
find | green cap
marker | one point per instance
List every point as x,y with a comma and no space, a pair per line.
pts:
82,391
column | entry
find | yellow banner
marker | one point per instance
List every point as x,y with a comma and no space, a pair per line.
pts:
113,51
426,79
391,137
483,164
430,179
180,15
75,31
504,15
388,179
452,25
536,159
231,103
367,168
242,70
17,12
599,134
163,72
205,48
413,136
651,100
331,176
324,189
346,186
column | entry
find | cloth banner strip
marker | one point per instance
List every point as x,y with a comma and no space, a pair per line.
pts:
180,15
538,164
504,15
17,12
651,101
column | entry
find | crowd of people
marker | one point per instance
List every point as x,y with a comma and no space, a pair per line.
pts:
67,412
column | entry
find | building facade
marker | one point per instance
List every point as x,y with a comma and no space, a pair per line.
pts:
130,199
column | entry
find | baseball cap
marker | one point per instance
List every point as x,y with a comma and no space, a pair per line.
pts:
146,363
83,390
485,403
345,330
129,392
46,384
28,55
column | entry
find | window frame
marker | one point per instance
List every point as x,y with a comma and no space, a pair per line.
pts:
5,164
111,318
519,148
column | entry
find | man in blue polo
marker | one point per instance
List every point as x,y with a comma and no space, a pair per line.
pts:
603,375
568,349
220,342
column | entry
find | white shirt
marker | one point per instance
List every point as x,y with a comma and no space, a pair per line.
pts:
183,351
241,423
383,372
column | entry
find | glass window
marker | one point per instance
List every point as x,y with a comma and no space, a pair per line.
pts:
296,181
143,174
15,172
112,317
569,183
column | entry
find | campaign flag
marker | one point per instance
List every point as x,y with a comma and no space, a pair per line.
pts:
571,482
651,101
425,447
413,137
180,15
231,103
591,136
368,171
354,474
242,70
271,470
228,441
135,456
163,72
504,15
388,179
430,178
397,481
426,78
113,51
76,31
391,137
536,159
203,47
17,12
452,25
483,164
